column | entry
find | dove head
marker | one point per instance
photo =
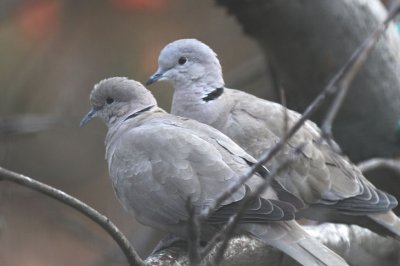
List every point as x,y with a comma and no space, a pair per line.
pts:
116,98
187,61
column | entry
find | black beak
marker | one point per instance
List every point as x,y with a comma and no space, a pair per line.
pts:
87,117
154,78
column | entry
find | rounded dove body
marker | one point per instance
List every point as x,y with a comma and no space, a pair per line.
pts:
158,161
332,188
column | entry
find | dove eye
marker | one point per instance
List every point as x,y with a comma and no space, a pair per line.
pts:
182,60
109,100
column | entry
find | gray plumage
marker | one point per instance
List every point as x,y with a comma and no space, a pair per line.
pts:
157,161
330,185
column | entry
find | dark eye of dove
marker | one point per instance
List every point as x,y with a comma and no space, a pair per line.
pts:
182,60
109,100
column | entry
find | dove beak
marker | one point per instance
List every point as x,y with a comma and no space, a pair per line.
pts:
155,77
87,117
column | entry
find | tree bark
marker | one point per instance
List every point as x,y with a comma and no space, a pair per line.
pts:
358,246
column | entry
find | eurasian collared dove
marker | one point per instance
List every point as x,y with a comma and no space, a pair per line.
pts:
157,161
331,186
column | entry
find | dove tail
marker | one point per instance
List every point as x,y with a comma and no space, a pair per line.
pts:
309,251
388,222
296,243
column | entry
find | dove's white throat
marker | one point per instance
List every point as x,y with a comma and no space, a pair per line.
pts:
200,102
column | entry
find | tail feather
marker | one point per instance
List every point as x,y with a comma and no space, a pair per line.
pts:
388,221
290,238
309,251
384,224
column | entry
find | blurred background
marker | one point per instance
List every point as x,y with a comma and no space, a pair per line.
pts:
52,52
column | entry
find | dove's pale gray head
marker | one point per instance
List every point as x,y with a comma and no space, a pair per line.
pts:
116,98
187,61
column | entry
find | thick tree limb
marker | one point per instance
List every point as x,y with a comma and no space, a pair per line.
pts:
358,246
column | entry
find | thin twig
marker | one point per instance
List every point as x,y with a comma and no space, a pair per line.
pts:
225,234
376,163
210,210
330,89
345,76
25,124
193,232
228,230
131,255
207,212
275,81
285,111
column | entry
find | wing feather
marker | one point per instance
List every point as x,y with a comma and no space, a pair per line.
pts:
319,175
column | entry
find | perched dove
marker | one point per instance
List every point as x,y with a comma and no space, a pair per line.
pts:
332,188
158,161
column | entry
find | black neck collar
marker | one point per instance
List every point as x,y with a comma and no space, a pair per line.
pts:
214,94
139,112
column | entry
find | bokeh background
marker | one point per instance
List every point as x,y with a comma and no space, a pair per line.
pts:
52,52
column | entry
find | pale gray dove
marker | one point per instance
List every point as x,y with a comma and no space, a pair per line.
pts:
157,161
332,188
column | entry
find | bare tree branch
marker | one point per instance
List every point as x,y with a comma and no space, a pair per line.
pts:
228,231
275,81
330,89
376,163
358,246
225,235
285,111
230,190
193,232
343,78
25,124
338,85
341,81
131,255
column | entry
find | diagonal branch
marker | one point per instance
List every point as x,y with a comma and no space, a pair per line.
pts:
207,212
330,89
341,81
193,232
344,77
131,255
338,86
376,163
228,230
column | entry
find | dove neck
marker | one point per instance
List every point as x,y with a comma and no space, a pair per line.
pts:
138,112
199,103
133,120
